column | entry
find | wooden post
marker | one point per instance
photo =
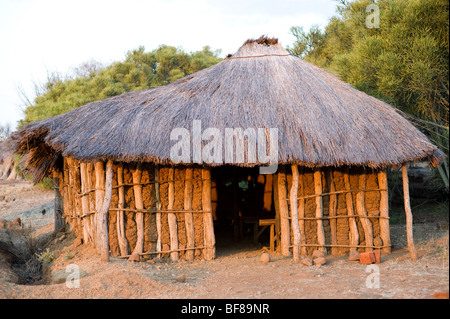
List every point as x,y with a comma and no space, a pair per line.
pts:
59,206
277,208
66,196
123,243
294,214
91,197
354,235
384,212
333,213
85,204
409,217
284,212
158,214
99,196
208,224
103,214
361,210
188,217
139,203
301,213
172,218
319,209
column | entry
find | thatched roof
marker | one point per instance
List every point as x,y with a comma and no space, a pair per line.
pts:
321,120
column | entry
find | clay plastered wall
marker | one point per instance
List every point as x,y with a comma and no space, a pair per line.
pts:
73,208
372,204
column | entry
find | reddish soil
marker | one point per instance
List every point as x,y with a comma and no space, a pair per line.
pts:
237,272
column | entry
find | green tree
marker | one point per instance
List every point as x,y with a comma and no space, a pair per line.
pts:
91,81
403,62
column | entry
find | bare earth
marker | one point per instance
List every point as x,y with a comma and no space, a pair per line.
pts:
237,272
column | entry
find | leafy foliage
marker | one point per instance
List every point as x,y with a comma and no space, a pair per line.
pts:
403,62
92,81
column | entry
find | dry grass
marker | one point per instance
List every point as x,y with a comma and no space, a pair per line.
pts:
321,120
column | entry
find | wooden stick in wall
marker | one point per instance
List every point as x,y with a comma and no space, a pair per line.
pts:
158,215
139,203
284,212
103,213
208,225
301,213
188,217
361,210
91,185
319,209
99,196
409,217
294,213
333,213
172,218
123,243
384,212
353,235
85,204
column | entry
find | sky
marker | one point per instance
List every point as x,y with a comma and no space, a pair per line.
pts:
38,37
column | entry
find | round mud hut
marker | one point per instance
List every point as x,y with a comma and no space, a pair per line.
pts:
261,140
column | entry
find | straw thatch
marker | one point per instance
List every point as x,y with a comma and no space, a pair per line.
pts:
321,120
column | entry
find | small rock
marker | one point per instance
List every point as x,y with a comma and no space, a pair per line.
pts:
181,278
319,261
134,257
353,256
367,258
378,242
78,241
318,254
265,258
18,221
2,197
150,261
307,261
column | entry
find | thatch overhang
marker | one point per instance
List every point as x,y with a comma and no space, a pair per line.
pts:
321,120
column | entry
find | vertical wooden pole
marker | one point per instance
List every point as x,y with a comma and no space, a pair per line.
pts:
171,217
236,218
276,203
354,235
99,196
158,214
59,206
85,204
384,212
294,213
333,213
301,212
103,214
409,217
319,209
66,198
188,217
91,197
139,203
123,243
361,209
208,224
284,212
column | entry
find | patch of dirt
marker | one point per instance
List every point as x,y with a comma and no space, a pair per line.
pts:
236,273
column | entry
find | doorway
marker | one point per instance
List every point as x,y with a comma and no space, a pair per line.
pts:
240,198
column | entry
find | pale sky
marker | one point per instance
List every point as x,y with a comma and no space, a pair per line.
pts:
49,35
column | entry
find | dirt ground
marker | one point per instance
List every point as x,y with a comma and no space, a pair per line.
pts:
236,273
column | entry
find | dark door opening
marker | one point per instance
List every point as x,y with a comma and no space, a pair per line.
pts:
240,198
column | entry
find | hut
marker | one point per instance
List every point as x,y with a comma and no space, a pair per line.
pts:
148,172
